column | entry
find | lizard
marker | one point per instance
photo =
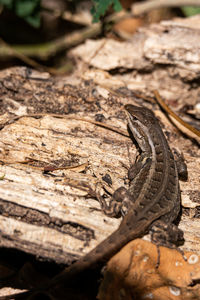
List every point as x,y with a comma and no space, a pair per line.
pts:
151,203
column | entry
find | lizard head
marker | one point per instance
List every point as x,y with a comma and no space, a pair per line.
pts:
141,120
140,114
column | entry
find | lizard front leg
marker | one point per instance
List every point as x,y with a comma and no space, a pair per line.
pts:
121,199
115,205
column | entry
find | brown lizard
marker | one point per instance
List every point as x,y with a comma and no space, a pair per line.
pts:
152,201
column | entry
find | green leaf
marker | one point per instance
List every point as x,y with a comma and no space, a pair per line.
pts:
33,20
100,7
117,5
7,3
29,10
190,10
25,8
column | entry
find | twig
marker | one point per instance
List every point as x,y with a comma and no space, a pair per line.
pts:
137,95
100,124
27,60
46,50
170,112
146,6
47,167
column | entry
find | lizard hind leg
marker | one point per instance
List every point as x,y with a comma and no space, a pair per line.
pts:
167,235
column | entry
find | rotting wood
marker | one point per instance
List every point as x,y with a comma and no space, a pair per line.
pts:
41,213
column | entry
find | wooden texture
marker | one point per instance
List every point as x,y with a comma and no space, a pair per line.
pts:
52,215
44,214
